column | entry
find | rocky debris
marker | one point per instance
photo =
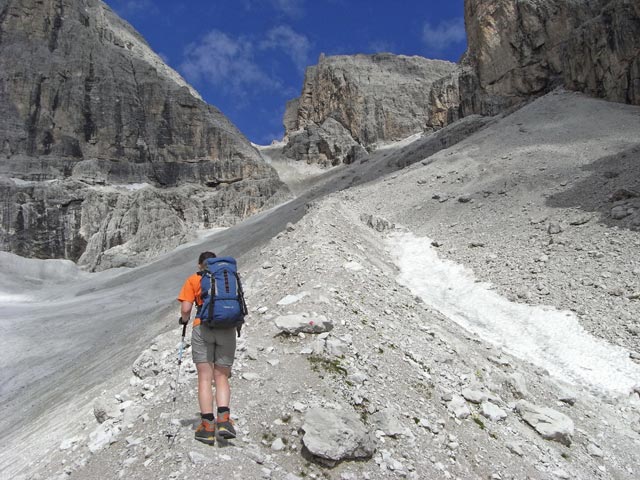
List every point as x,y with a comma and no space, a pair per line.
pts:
459,407
333,436
104,410
549,423
378,224
106,148
474,396
327,144
146,365
376,98
303,323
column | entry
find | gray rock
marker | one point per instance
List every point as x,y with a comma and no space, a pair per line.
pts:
101,437
492,412
146,365
104,410
199,459
620,212
459,407
474,396
333,436
594,450
326,144
277,445
517,385
388,422
549,423
377,223
299,323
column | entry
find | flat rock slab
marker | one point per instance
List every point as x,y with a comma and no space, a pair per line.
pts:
549,423
334,435
298,323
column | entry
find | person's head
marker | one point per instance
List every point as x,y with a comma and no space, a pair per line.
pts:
203,258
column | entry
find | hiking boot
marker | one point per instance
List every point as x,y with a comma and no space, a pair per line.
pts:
225,426
206,432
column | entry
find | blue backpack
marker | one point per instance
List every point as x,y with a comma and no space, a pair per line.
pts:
223,304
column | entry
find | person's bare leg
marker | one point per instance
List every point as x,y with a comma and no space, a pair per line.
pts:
223,391
205,392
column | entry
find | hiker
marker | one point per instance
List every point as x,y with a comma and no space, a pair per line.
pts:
213,344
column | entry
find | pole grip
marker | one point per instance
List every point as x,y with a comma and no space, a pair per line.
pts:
184,330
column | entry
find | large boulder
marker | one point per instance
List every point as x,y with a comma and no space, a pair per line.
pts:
549,423
334,435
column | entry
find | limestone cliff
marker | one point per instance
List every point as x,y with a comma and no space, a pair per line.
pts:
376,98
526,47
106,152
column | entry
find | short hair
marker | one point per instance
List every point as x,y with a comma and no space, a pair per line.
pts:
204,255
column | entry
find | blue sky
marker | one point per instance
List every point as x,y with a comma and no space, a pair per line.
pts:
247,57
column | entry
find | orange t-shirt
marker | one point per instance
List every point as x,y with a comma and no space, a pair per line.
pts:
191,293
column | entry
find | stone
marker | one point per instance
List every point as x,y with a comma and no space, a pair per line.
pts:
101,437
594,450
620,212
290,299
459,407
146,365
492,412
388,422
277,445
377,223
517,385
297,323
549,423
474,396
554,229
199,459
104,410
333,436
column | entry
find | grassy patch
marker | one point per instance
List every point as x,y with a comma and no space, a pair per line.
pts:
333,366
479,422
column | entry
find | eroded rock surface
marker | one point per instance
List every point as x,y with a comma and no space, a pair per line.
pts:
85,104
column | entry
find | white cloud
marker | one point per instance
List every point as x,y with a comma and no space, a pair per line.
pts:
292,8
226,62
445,33
293,44
133,7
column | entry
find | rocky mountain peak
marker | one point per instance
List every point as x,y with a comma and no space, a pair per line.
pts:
87,109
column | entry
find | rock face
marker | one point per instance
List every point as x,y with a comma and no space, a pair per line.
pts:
524,48
327,144
104,146
375,98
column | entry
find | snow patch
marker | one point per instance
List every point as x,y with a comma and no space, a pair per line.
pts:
13,298
400,143
544,336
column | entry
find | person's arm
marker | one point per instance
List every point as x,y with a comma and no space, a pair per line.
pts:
185,311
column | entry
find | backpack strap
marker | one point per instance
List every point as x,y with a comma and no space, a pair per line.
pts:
243,304
212,295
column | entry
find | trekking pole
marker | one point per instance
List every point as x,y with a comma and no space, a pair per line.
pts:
171,436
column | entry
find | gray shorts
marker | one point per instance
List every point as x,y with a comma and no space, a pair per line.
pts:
213,345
